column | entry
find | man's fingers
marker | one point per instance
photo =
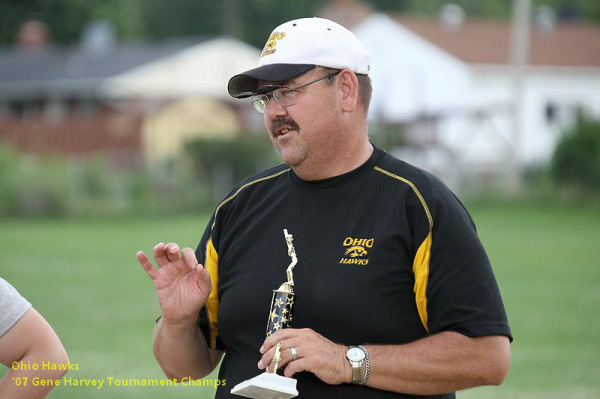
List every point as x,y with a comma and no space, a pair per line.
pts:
268,361
203,277
295,367
147,265
159,254
290,339
189,258
165,254
172,251
281,335
266,358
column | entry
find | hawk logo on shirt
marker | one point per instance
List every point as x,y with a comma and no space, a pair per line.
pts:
356,251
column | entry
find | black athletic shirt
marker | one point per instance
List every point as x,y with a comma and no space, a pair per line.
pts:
386,255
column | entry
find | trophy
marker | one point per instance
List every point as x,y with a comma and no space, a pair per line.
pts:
272,385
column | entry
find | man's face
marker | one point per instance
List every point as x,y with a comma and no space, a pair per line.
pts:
305,132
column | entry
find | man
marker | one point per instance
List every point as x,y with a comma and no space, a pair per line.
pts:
395,295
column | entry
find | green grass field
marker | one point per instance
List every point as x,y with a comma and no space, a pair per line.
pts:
82,275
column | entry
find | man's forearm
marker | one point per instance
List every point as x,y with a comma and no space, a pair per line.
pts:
181,351
438,364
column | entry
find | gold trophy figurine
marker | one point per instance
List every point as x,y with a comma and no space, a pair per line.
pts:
272,385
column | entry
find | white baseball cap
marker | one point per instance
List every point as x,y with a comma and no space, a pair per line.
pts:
298,46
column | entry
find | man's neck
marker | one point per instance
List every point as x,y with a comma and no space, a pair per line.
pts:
336,166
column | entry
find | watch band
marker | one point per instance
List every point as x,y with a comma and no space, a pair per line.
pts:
356,372
366,362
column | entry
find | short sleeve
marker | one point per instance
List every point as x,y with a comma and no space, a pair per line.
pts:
462,291
12,306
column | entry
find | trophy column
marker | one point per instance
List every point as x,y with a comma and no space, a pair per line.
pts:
282,307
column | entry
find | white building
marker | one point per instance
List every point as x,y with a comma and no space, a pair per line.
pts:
450,85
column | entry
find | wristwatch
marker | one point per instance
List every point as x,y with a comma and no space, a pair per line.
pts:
356,356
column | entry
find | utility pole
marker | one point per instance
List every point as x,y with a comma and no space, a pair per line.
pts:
519,50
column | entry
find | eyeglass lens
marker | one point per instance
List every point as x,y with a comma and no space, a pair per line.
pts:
283,95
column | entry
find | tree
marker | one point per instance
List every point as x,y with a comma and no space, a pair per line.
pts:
67,18
250,21
576,160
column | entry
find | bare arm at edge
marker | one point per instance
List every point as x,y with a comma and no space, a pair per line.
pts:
31,341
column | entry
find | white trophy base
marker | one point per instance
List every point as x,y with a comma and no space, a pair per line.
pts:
267,386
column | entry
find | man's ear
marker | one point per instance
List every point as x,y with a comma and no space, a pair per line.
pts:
348,84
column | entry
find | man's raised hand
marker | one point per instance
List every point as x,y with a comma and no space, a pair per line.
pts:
182,285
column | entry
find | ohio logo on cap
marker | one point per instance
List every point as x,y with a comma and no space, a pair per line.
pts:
271,43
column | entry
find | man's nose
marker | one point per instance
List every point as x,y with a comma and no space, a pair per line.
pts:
274,109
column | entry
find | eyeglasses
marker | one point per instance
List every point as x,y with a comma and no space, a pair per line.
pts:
283,95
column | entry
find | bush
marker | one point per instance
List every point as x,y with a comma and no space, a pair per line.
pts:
576,160
31,186
7,165
225,162
96,185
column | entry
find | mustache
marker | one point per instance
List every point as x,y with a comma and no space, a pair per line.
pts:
279,123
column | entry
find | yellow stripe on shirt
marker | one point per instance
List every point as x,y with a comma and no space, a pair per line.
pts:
423,256
212,304
421,271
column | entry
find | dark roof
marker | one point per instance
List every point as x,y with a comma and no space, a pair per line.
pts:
488,42
74,71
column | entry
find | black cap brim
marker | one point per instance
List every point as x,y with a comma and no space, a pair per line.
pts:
245,84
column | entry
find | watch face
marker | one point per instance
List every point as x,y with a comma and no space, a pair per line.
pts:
355,354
